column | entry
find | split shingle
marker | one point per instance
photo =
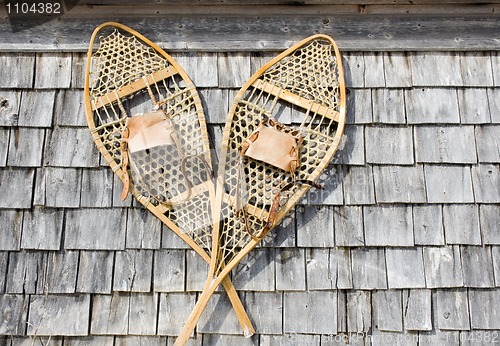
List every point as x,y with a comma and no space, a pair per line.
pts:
494,103
452,310
25,148
256,272
16,188
59,187
443,267
314,226
328,268
448,184
95,272
388,310
405,268
133,270
495,255
290,269
388,226
14,311
62,269
486,182
53,70
318,311
37,108
369,268
485,309
417,310
488,143
110,314
389,145
17,70
42,228
10,101
399,184
359,311
11,222
432,106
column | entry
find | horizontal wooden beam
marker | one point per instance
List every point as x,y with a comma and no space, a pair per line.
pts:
272,28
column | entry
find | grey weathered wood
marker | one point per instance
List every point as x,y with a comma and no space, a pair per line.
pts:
342,311
215,104
417,310
495,64
354,69
97,229
439,338
59,315
445,144
117,191
133,270
14,310
388,226
495,255
382,338
397,70
78,65
60,187
405,268
452,310
290,269
351,150
266,309
95,272
399,184
16,188
71,147
11,225
374,70
68,108
90,341
4,146
436,69
428,225
173,311
494,103
219,317
488,143
169,270
432,105
486,182
332,191
284,235
132,340
388,106
388,310
52,70
17,70
389,145
143,230
318,311
169,240
200,67
320,276
485,309
359,315
260,58
448,184
4,257
25,147
369,268
489,216
314,226
473,106
110,314
358,185
359,109
217,339
256,272
97,188
477,264
197,273
62,269
443,267
10,101
143,314
349,226
475,69
461,224
289,339
37,108
42,228
233,69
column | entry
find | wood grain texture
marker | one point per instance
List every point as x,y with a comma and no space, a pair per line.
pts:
11,222
473,106
359,316
448,184
62,270
358,185
173,311
290,269
494,103
388,310
461,224
359,106
95,272
133,271
369,268
435,69
143,314
266,309
25,147
10,101
428,225
37,108
388,106
417,310
71,147
489,216
202,68
61,187
477,265
17,70
485,309
432,106
52,70
486,182
42,229
351,150
488,143
110,314
14,309
97,188
233,69
349,226
397,70
219,317
4,146
16,187
452,309
405,268
495,254
169,270
26,272
399,184
443,267
68,108
143,230
388,226
314,226
475,69
389,145
256,272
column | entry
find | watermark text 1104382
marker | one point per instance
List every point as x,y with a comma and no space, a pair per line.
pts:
26,14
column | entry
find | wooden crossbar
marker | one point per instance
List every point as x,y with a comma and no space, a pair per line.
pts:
296,99
134,87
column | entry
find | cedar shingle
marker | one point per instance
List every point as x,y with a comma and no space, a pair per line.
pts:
14,309
397,70
71,147
197,273
332,192
11,224
489,216
284,235
53,70
314,226
475,69
358,185
451,310
97,188
495,63
110,314
461,224
354,69
173,311
417,310
369,268
69,110
450,144
42,229
25,148
374,70
200,67
259,59
62,269
133,270
233,69
59,315
97,229
215,104
477,264
9,107
389,145
349,226
318,312
448,184
4,146
169,240
17,70
143,314
495,255
428,225
486,182
328,268
388,226
473,104
169,270
443,267
144,230
399,184
16,188
388,106
59,187
388,310
37,108
219,317
494,103
78,66
95,272
359,106
436,69
4,257
266,309
358,311
431,106
485,309
488,143
290,269
351,150
256,272
405,268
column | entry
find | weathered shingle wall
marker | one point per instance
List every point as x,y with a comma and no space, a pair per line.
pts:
403,246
